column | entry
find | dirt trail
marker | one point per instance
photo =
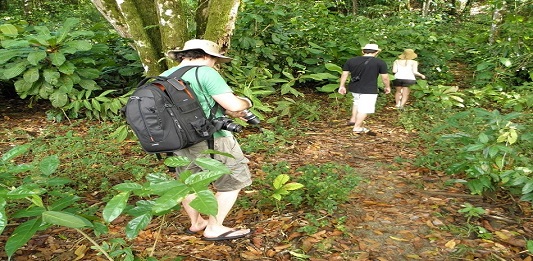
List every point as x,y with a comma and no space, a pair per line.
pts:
395,213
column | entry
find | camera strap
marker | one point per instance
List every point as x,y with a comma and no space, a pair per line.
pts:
358,77
212,112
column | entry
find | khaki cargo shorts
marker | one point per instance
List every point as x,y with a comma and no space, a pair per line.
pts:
240,176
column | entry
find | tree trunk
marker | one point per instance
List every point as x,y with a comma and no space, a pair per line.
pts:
158,26
355,7
425,7
497,18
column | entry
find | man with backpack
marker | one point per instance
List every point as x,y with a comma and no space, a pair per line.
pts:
211,89
364,71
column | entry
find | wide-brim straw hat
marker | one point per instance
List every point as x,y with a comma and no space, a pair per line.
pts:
207,46
371,47
408,54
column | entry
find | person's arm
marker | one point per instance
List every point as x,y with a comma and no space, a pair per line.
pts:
344,77
415,70
386,82
231,102
395,67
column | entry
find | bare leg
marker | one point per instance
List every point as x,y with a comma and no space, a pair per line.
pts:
225,203
198,223
398,96
405,95
359,121
354,113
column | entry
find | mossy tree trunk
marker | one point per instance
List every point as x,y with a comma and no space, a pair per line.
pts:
160,25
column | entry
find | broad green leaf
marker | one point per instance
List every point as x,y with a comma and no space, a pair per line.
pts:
15,70
320,76
88,73
170,199
45,90
177,161
43,40
8,29
49,165
26,190
68,25
475,147
8,54
17,44
513,136
37,201
528,187
506,62
57,181
96,105
142,207
51,76
127,186
163,187
205,202
280,180
31,75
157,177
35,57
67,68
64,202
65,219
121,133
115,206
201,180
15,152
333,67
212,164
57,58
58,99
3,216
32,211
137,224
88,85
21,235
293,186
79,45
328,88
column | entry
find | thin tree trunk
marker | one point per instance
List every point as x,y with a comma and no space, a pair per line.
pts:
497,18
355,7
425,7
221,23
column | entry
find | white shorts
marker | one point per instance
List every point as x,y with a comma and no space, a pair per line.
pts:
365,103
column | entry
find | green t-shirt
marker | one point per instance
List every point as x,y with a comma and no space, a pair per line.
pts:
212,84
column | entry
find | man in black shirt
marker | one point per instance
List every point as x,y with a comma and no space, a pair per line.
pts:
364,71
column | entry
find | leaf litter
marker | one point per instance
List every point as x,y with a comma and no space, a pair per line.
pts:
398,212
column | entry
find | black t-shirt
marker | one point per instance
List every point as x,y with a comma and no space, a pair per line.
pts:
368,73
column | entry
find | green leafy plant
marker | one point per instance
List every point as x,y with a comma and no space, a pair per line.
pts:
163,193
34,190
282,188
489,148
57,66
326,186
439,96
469,211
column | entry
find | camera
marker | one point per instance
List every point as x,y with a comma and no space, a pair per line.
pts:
251,118
225,123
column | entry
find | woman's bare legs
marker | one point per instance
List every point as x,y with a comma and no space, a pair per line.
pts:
398,96
405,96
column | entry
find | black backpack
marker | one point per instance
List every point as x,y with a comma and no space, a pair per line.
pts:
165,115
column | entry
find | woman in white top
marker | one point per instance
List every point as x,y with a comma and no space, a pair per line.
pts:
405,71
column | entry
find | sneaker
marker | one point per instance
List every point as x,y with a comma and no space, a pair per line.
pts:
361,131
364,131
